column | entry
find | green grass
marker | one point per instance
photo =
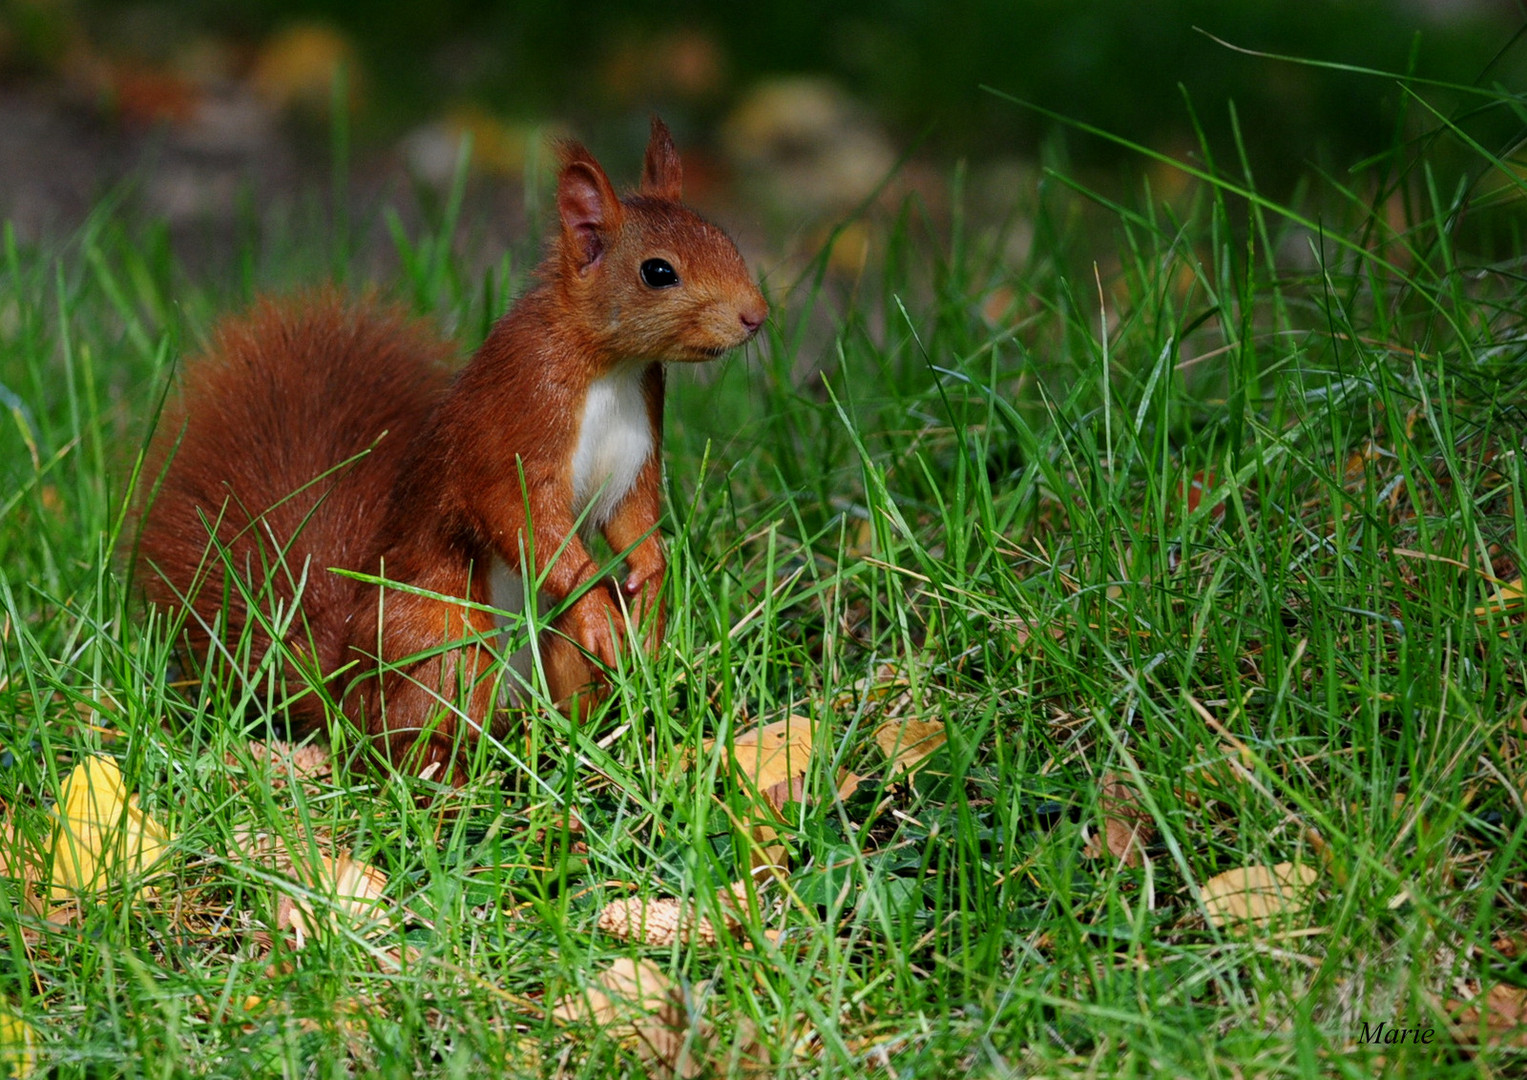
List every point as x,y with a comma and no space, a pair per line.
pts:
975,483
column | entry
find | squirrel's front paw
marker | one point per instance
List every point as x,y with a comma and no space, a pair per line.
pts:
643,590
594,623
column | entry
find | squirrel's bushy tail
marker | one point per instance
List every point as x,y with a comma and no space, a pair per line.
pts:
284,447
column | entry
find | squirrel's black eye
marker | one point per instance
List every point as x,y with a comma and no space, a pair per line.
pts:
659,274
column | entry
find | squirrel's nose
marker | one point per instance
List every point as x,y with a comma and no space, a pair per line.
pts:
753,316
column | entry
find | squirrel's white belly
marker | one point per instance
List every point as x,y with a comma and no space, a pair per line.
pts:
614,442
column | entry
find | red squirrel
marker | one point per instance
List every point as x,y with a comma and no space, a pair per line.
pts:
316,435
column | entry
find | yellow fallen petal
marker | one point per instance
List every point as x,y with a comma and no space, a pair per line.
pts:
100,835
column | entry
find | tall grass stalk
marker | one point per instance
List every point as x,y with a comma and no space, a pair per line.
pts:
1197,516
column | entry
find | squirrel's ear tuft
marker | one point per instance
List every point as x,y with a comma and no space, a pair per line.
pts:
662,174
587,205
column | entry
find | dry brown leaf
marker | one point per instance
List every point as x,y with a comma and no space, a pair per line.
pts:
1356,465
863,543
1258,895
100,835
849,252
638,1005
685,63
908,743
1025,630
1509,597
792,789
748,1055
1509,946
775,752
1216,775
665,920
399,956
22,861
998,304
302,763
626,988
1192,491
1126,826
772,762
767,852
1494,1019
769,760
260,848
657,922
147,95
350,889
68,913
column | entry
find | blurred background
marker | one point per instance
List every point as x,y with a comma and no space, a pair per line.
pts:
790,114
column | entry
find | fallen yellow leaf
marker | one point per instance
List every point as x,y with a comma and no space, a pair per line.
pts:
498,147
1258,895
100,835
863,542
772,761
771,754
18,1046
850,249
908,743
1508,597
358,888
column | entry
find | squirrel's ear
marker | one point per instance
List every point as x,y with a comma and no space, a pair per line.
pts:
662,174
587,204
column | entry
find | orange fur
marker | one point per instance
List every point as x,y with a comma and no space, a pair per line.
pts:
287,441
286,394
